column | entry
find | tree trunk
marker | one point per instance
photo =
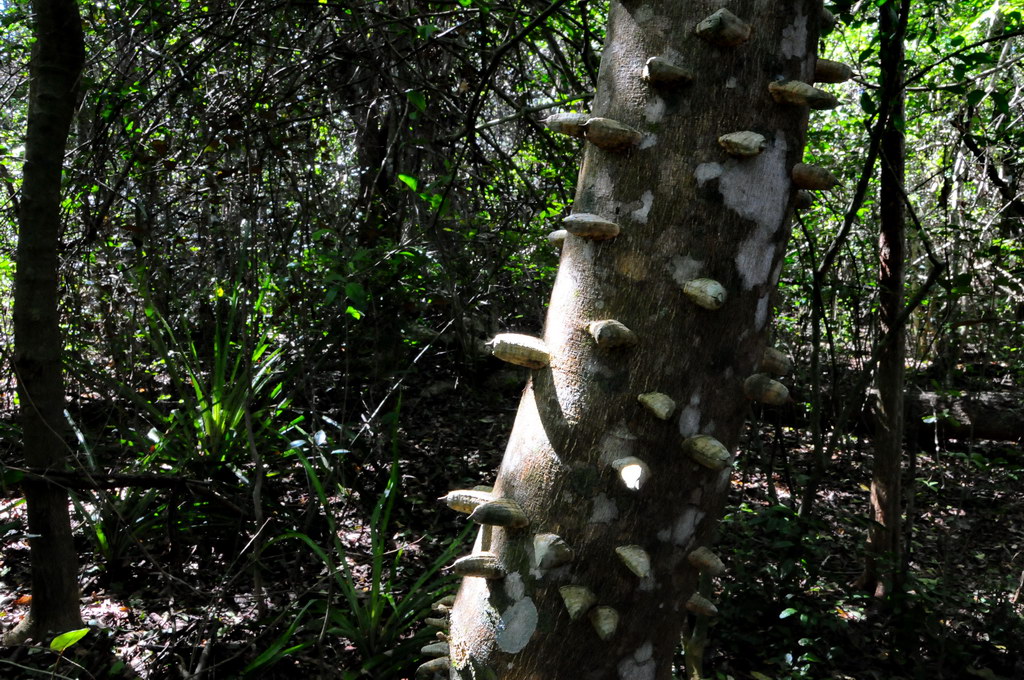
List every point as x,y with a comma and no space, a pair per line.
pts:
882,563
57,60
616,498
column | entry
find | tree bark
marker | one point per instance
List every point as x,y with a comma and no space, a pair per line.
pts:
604,484
57,61
882,563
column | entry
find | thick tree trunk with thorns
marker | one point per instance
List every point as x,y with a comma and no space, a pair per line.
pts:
594,537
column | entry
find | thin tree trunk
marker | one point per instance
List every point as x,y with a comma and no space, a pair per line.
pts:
882,564
57,61
615,498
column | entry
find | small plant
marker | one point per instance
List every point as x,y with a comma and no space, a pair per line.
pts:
376,613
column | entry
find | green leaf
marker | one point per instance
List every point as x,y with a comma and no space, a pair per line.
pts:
409,181
867,103
975,96
786,613
65,640
354,313
417,99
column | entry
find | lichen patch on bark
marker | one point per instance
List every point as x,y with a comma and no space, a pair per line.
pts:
705,172
686,525
517,626
514,587
604,510
794,38
689,421
655,110
639,665
646,201
684,268
761,313
758,190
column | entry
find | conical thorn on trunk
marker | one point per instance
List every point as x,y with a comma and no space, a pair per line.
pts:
609,333
775,362
482,564
567,123
724,29
611,135
706,560
521,350
828,71
807,176
661,405
550,551
661,71
801,94
759,387
433,667
636,559
605,621
707,451
587,225
501,512
698,604
706,293
743,144
466,500
578,600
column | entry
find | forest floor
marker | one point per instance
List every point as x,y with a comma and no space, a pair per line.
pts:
192,601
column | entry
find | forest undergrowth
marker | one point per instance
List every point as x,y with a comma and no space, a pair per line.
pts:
352,548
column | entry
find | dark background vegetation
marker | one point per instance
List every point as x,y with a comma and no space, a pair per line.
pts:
290,228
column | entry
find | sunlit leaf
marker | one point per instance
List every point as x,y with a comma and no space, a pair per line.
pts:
65,640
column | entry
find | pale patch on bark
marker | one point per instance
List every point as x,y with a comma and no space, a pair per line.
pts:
757,189
777,273
705,172
655,110
689,421
761,314
604,510
794,37
517,626
617,443
731,82
684,268
646,201
643,14
689,417
649,140
639,665
514,587
686,525
603,189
